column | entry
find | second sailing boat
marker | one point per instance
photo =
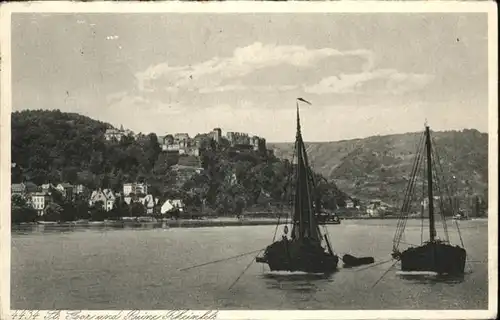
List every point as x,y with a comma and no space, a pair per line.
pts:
307,249
435,255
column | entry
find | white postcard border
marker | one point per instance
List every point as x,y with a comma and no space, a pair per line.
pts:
256,7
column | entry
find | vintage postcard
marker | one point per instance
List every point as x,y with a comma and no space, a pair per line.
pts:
249,160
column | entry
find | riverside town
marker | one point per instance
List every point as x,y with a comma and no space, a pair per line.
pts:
126,177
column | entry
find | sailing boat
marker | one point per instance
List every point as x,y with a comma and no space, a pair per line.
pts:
435,255
304,251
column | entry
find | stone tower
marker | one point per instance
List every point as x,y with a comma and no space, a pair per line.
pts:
217,134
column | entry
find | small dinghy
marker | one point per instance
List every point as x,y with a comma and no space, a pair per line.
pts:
352,261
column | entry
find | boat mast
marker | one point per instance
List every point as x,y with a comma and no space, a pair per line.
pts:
432,229
298,193
304,213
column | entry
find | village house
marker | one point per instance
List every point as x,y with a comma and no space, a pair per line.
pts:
79,189
23,189
106,197
170,205
131,198
168,139
181,138
47,186
135,188
39,201
377,208
349,204
18,189
66,190
149,202
112,134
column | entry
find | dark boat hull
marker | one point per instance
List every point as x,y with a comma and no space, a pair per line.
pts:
435,257
351,261
301,256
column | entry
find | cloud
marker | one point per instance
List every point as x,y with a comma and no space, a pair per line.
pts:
112,37
123,101
244,61
377,81
267,77
238,87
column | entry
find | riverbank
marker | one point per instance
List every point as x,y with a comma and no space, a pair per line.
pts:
172,223
166,223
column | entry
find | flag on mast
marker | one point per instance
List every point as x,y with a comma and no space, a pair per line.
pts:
303,100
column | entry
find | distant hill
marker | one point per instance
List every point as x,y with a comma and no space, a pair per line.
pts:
378,166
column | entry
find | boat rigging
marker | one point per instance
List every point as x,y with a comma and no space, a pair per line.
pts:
435,254
308,249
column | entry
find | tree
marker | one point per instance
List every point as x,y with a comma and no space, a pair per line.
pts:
97,212
70,174
17,174
57,196
137,209
17,201
68,212
53,212
82,209
21,211
120,209
50,145
105,182
152,150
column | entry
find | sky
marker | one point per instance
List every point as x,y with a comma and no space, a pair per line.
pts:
364,73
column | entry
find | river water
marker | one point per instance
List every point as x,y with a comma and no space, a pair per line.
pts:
139,269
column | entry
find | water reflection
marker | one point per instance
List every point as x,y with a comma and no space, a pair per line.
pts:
127,224
432,278
296,281
66,228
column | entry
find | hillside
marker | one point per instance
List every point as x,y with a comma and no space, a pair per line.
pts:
52,146
377,167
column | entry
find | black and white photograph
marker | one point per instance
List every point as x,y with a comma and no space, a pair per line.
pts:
243,156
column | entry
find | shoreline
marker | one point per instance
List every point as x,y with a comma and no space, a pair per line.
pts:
181,223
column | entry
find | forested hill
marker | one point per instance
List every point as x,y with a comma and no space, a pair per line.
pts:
52,146
378,166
